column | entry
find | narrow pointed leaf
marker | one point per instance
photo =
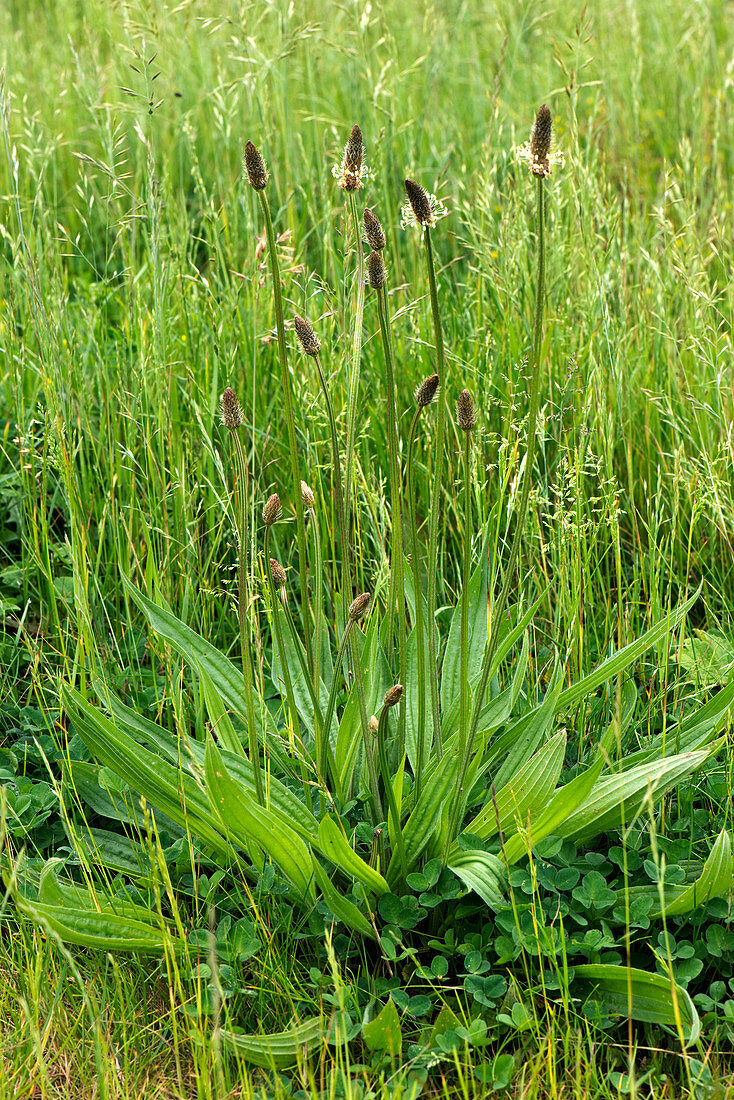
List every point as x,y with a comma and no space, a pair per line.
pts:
640,995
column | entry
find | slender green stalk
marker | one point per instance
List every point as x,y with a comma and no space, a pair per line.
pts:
387,783
397,570
323,745
353,408
369,755
497,611
464,639
435,499
339,488
419,636
241,510
291,425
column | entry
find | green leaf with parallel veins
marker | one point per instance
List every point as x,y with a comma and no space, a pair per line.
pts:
334,845
280,1050
640,995
526,793
477,638
87,928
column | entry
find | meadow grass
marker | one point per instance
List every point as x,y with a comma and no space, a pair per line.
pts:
135,288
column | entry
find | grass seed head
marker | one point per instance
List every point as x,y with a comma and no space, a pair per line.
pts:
307,338
376,273
358,607
393,695
232,416
465,415
272,511
255,167
277,572
427,391
373,230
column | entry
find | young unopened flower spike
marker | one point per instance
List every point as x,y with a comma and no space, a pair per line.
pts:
427,391
352,170
373,230
422,208
358,607
272,511
255,167
393,696
307,497
376,274
538,152
307,338
277,572
232,417
465,415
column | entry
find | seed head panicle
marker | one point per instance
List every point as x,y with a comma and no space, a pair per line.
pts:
255,167
465,415
427,391
307,496
277,572
376,273
309,341
538,153
352,171
272,511
374,232
422,208
393,696
232,416
358,607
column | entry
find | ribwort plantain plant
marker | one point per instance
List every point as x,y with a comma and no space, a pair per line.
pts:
321,767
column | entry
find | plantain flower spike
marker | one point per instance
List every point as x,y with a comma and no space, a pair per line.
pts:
358,607
373,230
393,696
272,511
255,167
307,338
376,273
232,417
277,572
352,170
465,415
307,496
422,208
427,391
538,152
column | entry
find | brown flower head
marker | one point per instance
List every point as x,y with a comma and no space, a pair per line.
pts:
272,511
232,417
427,390
352,170
538,152
307,338
374,232
255,167
277,572
393,696
376,273
422,208
465,415
358,607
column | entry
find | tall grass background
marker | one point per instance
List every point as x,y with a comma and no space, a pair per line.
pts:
133,289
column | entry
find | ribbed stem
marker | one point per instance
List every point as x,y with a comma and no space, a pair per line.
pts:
369,755
417,587
397,565
336,462
499,607
464,638
354,370
389,792
435,500
291,425
242,493
323,745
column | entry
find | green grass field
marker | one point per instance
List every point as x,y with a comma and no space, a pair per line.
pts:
464,945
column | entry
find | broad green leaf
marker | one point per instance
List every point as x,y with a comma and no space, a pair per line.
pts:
695,731
716,879
619,661
165,787
623,794
86,928
112,850
526,793
334,845
245,820
383,1032
279,796
525,737
426,815
563,803
477,638
376,677
483,873
280,1050
640,995
342,908
87,782
219,719
301,694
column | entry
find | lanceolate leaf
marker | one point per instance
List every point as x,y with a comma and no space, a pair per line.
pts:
695,731
426,815
652,998
342,908
716,879
334,845
622,794
280,1050
245,820
87,928
483,873
477,638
